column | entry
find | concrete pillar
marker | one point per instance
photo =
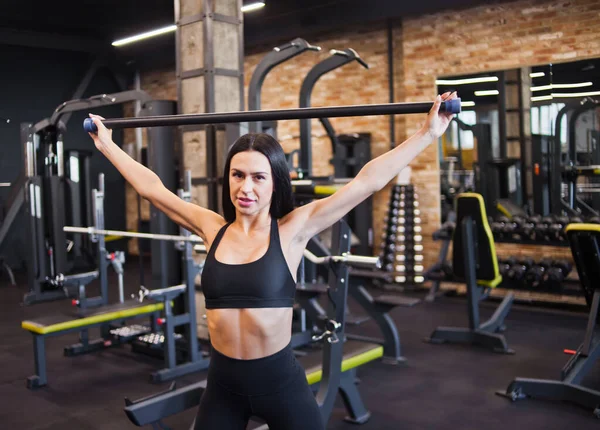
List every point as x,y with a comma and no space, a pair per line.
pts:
210,59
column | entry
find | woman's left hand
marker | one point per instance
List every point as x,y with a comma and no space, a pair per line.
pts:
437,122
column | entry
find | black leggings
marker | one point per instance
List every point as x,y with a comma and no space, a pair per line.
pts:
273,388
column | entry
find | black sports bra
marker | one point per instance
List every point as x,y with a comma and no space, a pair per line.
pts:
264,283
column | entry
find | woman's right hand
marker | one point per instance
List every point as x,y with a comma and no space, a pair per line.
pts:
103,137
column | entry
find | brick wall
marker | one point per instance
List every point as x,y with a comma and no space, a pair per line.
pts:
484,38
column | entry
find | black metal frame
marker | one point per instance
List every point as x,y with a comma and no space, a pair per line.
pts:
336,60
486,179
44,192
436,272
557,204
574,202
485,334
183,316
541,174
274,58
378,309
569,387
46,277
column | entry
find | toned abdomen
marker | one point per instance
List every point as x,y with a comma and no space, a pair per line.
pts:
248,334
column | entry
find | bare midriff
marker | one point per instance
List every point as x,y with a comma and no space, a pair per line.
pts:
248,334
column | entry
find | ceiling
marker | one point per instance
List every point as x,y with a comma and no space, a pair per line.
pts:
90,26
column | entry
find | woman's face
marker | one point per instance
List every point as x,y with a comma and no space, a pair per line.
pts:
250,182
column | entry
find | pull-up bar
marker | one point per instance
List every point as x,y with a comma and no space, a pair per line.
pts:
450,106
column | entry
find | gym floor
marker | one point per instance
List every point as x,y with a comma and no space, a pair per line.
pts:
440,387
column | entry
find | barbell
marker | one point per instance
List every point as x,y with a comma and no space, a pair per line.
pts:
449,106
344,258
153,236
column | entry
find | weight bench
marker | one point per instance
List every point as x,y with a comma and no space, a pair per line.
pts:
82,320
584,240
152,409
474,260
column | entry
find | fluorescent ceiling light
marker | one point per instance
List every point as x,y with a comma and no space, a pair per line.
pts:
564,95
487,93
540,98
554,86
578,85
466,81
253,6
146,35
590,93
467,104
541,88
537,74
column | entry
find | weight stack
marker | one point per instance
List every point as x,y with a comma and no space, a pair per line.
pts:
402,246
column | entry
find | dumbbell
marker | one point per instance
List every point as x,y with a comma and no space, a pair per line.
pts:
557,273
503,267
542,228
575,220
498,225
518,222
519,269
556,230
534,218
388,236
512,227
393,221
594,220
388,247
535,276
528,229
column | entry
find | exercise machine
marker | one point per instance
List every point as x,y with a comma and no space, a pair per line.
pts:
584,240
474,260
55,190
110,318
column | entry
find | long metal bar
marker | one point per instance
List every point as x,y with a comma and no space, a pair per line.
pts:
452,106
344,258
92,230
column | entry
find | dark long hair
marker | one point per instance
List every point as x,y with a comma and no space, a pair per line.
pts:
282,202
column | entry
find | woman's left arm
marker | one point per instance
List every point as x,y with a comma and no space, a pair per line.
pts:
316,216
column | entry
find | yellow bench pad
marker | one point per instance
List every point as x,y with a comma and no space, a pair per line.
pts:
57,323
356,354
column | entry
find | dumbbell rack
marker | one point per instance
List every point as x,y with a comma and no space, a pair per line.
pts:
535,230
401,247
543,276
539,231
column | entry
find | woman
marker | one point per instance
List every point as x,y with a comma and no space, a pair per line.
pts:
249,275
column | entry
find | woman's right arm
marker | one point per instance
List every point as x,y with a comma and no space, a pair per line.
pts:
148,185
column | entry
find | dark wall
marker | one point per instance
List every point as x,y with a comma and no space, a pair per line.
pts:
33,82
